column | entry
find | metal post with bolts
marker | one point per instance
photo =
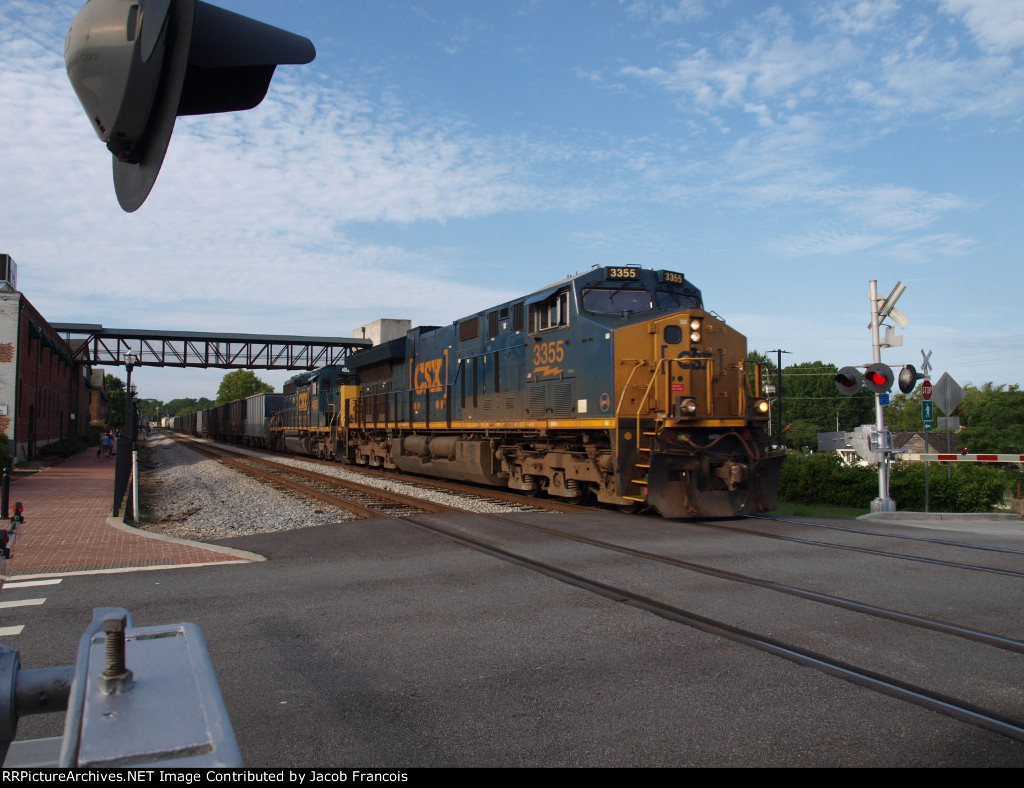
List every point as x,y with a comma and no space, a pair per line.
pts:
115,676
168,711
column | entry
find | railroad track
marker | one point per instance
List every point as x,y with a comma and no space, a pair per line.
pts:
471,493
903,679
889,684
361,500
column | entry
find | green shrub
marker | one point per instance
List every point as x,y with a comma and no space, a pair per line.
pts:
96,429
821,478
5,451
64,448
970,488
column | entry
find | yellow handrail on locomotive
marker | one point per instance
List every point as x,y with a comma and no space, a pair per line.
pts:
709,380
622,397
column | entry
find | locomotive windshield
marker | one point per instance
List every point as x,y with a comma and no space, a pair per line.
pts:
629,289
611,299
677,298
616,298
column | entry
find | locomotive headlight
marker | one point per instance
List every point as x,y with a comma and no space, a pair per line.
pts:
695,329
759,407
686,406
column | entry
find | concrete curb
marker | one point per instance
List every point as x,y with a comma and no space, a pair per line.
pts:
243,555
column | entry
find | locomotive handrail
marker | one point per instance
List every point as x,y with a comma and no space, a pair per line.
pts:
622,397
709,382
647,391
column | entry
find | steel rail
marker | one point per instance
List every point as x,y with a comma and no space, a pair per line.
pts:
866,550
986,638
908,537
962,710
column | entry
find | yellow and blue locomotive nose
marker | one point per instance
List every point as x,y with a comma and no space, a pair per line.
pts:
691,432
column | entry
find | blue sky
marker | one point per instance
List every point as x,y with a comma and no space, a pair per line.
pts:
439,157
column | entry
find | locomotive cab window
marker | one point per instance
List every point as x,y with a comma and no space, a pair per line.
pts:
552,312
616,298
677,298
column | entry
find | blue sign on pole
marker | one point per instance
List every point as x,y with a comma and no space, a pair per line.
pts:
927,413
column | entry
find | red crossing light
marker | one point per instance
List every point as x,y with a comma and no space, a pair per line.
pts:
848,381
878,378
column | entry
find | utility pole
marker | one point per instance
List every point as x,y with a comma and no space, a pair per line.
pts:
778,393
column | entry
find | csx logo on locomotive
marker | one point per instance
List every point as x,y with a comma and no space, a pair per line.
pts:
697,357
427,376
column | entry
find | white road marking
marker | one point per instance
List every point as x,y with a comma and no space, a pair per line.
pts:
30,583
16,630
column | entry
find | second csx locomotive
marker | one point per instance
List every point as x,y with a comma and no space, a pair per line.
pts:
615,384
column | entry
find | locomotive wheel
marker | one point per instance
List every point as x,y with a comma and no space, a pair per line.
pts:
581,497
630,508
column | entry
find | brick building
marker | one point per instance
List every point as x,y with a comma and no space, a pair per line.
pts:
44,395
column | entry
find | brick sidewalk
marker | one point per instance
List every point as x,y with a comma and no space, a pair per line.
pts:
68,527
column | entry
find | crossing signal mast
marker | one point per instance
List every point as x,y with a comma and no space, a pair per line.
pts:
138,64
878,378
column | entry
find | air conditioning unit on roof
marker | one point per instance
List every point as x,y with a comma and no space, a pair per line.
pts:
8,274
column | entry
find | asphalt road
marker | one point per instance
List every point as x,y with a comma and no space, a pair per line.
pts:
373,644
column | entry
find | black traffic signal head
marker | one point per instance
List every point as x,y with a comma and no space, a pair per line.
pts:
878,378
908,378
849,381
138,64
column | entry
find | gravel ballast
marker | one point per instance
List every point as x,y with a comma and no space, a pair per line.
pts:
193,497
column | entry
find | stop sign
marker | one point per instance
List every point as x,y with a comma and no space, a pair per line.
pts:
926,389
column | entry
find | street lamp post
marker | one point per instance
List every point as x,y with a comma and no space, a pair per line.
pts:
130,360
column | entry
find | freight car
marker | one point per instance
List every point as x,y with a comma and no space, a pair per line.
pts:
615,384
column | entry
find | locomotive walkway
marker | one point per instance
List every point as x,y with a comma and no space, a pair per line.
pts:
68,528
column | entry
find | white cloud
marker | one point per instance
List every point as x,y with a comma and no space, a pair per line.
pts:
929,248
997,25
857,17
829,243
658,11
248,206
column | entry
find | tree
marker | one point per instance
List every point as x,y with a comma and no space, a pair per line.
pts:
240,384
768,369
903,413
993,419
183,405
801,435
151,409
113,387
809,394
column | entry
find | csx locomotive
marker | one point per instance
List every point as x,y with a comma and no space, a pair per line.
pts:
614,384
